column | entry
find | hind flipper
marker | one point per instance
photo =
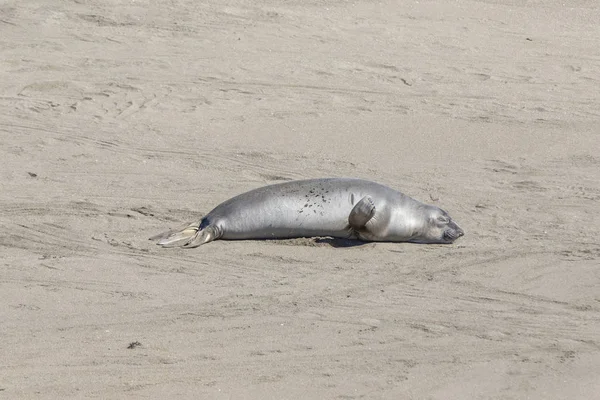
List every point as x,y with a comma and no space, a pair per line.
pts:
205,235
177,237
188,236
362,212
166,234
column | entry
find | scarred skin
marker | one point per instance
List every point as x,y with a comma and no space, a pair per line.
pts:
320,207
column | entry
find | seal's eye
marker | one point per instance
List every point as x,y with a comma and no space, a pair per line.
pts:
443,219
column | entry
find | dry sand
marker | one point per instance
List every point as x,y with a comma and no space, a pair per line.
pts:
120,119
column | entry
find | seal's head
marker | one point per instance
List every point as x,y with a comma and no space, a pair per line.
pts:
439,227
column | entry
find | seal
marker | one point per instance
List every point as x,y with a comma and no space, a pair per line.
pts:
337,207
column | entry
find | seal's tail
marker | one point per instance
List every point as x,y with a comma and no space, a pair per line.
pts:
189,235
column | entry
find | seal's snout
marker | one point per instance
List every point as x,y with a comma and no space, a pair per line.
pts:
459,231
453,232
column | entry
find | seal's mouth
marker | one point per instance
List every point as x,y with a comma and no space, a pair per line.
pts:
453,232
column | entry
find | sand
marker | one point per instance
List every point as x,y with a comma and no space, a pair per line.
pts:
121,119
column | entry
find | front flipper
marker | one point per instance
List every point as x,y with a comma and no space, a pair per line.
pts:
362,212
188,236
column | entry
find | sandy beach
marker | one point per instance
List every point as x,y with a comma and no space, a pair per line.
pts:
121,119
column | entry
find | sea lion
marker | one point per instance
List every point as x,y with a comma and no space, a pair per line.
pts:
337,207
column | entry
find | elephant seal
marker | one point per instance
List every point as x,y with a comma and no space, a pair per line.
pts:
338,207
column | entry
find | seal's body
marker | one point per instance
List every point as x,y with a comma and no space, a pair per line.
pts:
337,207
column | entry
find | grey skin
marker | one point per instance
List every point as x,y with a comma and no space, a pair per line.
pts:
336,207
